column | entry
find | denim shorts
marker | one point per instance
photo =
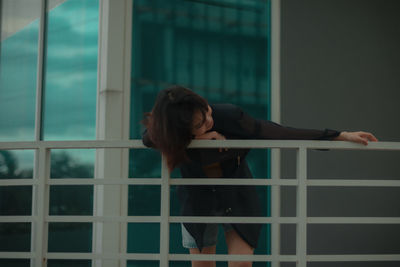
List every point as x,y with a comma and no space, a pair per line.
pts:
210,235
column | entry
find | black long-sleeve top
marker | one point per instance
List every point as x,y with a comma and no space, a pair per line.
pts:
232,122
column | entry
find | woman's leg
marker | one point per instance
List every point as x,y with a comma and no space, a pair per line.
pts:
209,240
236,245
206,250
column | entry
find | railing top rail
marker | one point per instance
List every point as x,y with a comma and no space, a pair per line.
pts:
260,144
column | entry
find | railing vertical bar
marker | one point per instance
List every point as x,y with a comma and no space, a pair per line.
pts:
165,205
301,240
42,204
275,214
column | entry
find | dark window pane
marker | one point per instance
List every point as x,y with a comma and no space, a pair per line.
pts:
70,237
71,200
143,238
15,237
143,264
152,168
15,262
69,263
144,200
16,200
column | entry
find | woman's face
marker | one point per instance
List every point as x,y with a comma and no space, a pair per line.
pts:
202,125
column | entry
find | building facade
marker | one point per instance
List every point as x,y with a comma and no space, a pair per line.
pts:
88,70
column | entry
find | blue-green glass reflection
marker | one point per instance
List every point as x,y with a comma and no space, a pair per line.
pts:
72,163
219,49
143,238
18,69
70,83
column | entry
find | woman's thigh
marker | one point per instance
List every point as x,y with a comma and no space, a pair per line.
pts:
205,250
236,245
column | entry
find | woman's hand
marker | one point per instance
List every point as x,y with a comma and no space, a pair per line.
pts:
212,136
357,137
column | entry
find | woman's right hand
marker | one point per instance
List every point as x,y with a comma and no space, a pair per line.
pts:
214,135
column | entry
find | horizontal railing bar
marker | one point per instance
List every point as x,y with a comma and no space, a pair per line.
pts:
172,219
361,183
353,220
178,181
86,144
17,255
137,143
341,258
235,181
210,257
98,181
122,219
171,257
231,257
205,219
202,181
226,219
17,219
18,182
93,256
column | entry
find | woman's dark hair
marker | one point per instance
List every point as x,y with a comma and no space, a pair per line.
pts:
170,123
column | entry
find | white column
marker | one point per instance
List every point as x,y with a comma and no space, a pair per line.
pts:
276,117
112,124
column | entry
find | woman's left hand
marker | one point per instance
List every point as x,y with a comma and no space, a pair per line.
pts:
357,137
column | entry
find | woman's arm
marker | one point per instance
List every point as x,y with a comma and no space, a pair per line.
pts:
250,128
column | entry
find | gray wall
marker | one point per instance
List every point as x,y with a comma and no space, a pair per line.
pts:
341,70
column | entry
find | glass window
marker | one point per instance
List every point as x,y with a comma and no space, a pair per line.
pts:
15,237
71,200
70,237
19,23
69,263
15,201
219,49
70,75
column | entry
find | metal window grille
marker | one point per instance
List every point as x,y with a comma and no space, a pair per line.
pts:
41,183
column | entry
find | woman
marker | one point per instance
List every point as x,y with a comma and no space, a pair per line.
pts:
179,116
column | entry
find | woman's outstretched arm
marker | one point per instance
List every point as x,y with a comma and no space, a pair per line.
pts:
250,128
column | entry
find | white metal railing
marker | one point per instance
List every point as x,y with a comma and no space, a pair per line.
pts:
41,183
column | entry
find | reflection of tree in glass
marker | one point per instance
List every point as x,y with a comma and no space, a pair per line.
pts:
9,168
70,199
14,200
64,166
